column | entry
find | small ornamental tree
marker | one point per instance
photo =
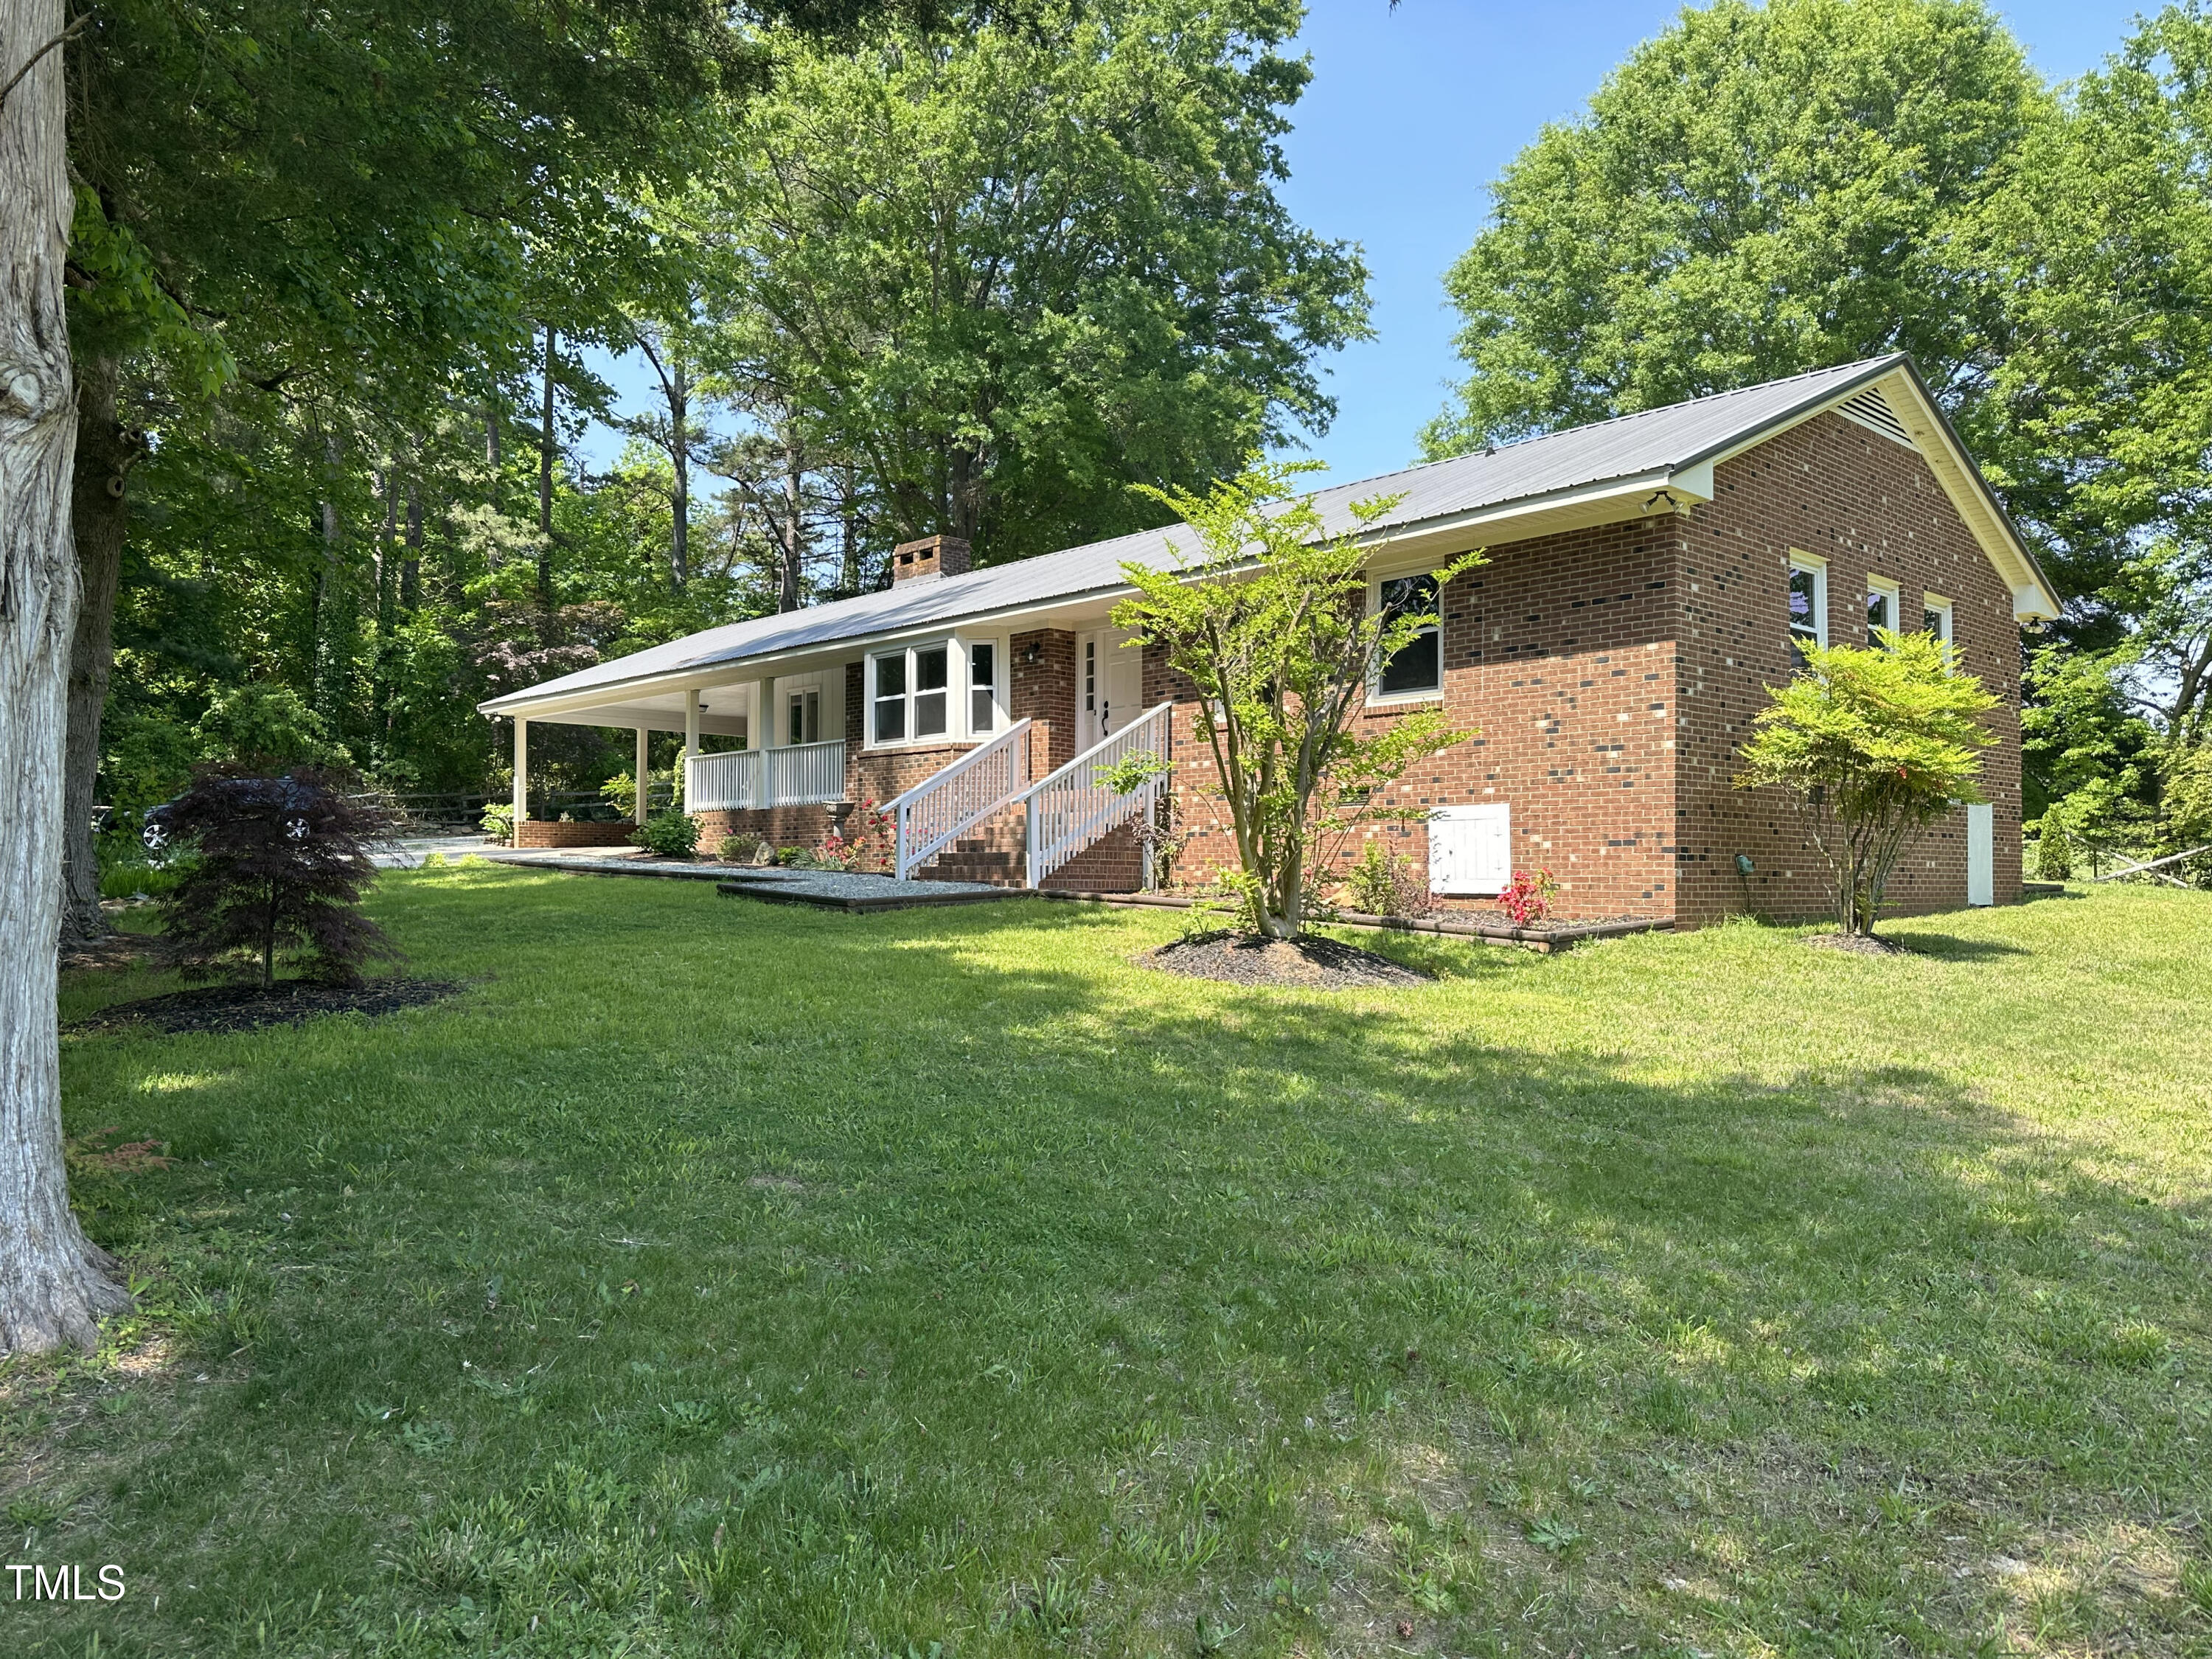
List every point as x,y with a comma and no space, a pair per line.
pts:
1873,743
1271,624
276,870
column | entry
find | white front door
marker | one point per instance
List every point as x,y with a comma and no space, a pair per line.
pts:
1108,685
1981,854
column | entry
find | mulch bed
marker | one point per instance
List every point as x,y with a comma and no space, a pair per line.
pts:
1858,944
1310,964
115,951
247,1007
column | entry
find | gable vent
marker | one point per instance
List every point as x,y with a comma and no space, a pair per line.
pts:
1872,411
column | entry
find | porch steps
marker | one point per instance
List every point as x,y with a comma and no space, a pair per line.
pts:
994,853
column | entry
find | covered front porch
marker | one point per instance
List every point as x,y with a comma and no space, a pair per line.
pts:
981,747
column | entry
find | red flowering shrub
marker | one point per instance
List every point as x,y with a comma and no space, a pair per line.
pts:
868,845
1528,896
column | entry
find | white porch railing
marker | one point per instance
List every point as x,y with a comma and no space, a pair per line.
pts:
934,811
1071,809
803,776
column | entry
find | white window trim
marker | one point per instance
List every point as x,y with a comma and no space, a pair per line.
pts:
1817,568
1943,608
1375,693
1894,592
959,673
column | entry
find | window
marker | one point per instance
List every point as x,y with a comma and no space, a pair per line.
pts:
1883,608
1936,617
982,688
890,698
1089,676
932,676
805,723
1808,606
912,693
1418,666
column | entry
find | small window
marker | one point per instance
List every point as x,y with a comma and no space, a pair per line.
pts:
804,724
1418,666
1090,677
890,698
1936,617
982,688
1809,607
932,676
1883,610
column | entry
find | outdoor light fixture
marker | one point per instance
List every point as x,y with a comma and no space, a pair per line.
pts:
1031,653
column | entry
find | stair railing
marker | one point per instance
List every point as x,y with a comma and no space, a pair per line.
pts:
945,805
1073,809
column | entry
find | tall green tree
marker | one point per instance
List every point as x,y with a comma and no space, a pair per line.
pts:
2102,404
1756,192
1010,269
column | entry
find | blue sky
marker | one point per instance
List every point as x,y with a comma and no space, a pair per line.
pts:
1412,113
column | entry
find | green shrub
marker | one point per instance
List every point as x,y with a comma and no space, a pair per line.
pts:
1383,884
738,849
2054,855
792,858
669,835
498,822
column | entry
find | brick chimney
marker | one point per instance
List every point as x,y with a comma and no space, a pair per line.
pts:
933,556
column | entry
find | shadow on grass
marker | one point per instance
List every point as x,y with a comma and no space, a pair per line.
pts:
840,1249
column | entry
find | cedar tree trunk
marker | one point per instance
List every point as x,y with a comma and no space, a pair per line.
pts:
53,1284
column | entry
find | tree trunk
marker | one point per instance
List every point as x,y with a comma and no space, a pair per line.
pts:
99,510
679,458
791,541
546,440
336,613
54,1284
411,567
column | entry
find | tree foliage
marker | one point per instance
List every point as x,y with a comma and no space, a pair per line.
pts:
1270,620
1006,271
274,870
1873,744
1756,192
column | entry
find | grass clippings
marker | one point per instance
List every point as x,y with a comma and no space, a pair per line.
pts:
249,1007
1311,964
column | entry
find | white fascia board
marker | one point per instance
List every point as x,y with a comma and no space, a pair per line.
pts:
1657,493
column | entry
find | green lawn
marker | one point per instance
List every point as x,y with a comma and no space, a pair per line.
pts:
719,1278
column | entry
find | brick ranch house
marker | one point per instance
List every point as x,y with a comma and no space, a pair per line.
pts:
1647,578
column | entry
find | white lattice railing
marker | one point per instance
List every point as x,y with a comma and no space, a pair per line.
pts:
934,811
803,776
1073,809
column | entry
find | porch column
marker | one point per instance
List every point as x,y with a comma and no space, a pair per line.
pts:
644,737
521,775
764,703
690,740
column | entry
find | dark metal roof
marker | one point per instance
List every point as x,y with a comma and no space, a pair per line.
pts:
1655,441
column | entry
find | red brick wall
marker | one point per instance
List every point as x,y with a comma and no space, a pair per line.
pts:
1866,505
1555,652
784,826
547,833
1609,676
1043,693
